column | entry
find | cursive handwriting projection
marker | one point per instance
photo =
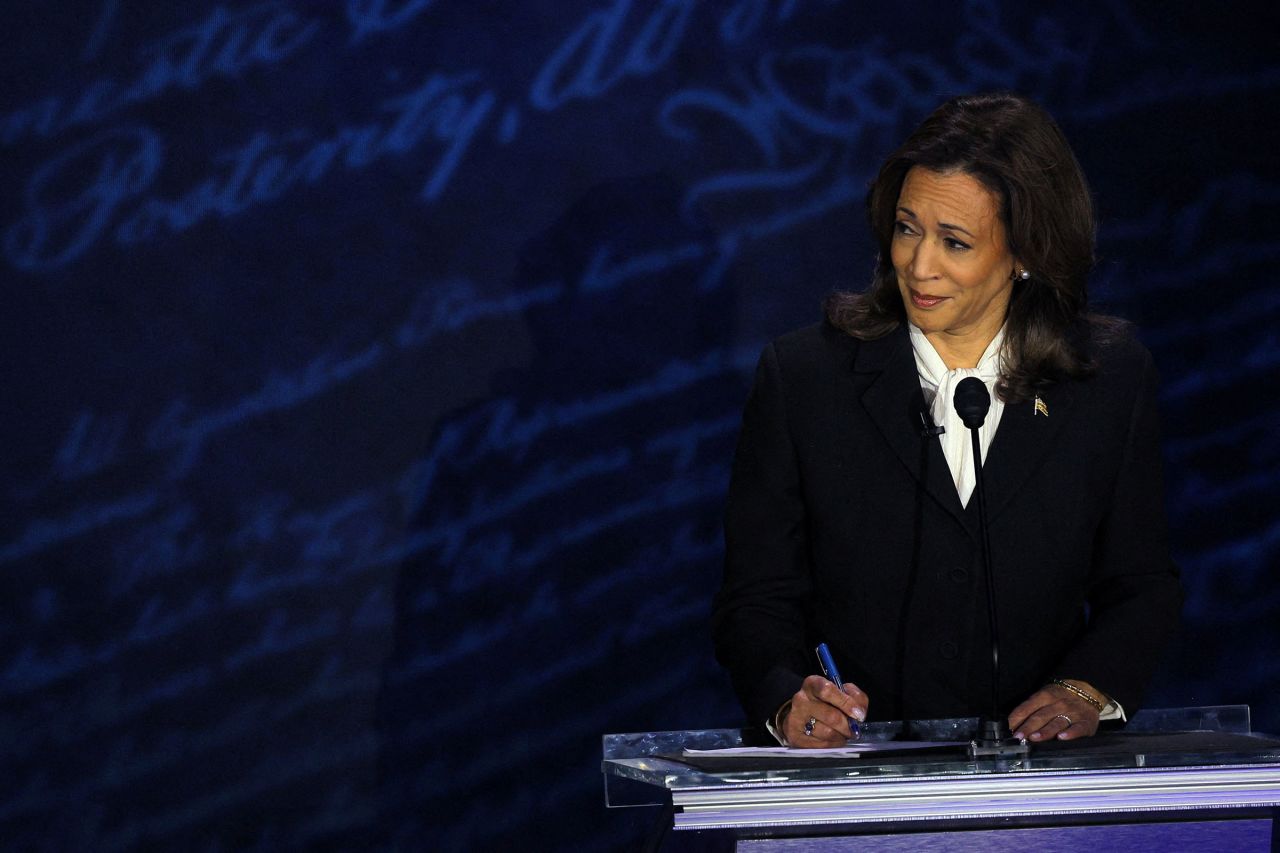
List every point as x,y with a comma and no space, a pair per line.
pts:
447,307
94,441
603,272
224,44
988,55
70,199
333,544
1254,430
176,429
804,111
451,306
551,477
91,444
565,732
1208,239
284,632
162,617
569,664
1246,559
499,427
110,704
805,108
1236,197
745,17
377,16
683,441
73,201
271,771
102,187
642,572
596,56
317,547
31,669
125,760
161,548
1163,87
470,828
610,45
796,147
682,492
1244,370
100,29
468,560
43,533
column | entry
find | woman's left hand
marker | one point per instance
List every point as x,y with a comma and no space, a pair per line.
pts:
1054,711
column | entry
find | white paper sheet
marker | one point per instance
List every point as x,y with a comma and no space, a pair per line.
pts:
852,750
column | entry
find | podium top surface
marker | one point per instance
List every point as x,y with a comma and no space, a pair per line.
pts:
1215,737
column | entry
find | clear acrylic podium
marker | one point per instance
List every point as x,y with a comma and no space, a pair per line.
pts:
1188,778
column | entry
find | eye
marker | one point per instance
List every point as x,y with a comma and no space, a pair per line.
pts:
903,227
956,245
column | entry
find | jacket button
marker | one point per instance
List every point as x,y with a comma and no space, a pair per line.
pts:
959,575
948,650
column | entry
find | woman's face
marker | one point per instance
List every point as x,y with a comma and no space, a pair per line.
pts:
951,255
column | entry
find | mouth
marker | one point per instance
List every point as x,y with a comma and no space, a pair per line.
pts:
925,300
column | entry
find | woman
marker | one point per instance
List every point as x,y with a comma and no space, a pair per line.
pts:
849,517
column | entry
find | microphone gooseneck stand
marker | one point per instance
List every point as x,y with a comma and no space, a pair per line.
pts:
993,741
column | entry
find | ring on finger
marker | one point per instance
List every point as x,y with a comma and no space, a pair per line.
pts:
809,724
1065,717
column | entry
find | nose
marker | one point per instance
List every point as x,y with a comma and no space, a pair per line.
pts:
923,264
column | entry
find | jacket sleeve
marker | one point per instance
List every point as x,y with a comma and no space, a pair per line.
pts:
1134,591
760,611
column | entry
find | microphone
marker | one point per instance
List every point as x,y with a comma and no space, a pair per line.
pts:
972,402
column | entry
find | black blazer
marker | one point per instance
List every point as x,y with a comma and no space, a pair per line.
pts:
843,524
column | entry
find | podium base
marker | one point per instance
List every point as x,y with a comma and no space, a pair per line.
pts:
994,741
1007,748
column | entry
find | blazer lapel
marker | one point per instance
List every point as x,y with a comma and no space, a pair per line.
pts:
1025,435
894,402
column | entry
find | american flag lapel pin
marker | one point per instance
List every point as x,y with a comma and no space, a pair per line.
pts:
1041,408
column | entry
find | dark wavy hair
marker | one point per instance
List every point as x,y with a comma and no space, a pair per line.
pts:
1016,150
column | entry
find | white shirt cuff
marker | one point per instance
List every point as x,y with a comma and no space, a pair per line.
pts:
1112,711
777,735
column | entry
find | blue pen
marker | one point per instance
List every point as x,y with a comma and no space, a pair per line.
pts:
833,675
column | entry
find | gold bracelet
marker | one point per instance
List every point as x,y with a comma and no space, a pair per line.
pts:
777,717
1097,703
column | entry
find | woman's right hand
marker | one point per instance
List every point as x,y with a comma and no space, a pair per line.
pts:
830,709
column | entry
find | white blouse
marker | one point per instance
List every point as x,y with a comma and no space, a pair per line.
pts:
939,385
